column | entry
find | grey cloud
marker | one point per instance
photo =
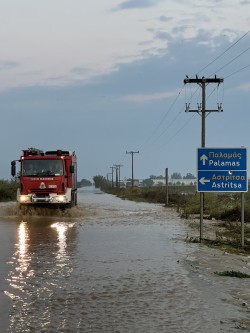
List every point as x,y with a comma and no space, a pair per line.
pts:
137,4
180,29
163,36
80,70
8,65
164,18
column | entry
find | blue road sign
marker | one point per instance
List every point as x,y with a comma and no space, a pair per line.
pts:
222,181
222,170
222,159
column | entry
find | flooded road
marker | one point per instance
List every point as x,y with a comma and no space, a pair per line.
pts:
117,266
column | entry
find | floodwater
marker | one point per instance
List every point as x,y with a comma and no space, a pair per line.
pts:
112,265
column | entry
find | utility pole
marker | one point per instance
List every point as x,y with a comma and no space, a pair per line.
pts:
112,167
118,177
203,82
166,176
132,154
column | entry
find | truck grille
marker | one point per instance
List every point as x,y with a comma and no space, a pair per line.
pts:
43,191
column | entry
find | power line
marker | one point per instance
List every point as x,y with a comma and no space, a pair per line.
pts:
178,95
163,118
175,118
231,60
214,60
239,70
169,125
176,133
183,126
219,56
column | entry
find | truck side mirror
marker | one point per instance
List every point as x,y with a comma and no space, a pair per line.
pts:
72,169
13,168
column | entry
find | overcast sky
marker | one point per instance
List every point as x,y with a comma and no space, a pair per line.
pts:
104,78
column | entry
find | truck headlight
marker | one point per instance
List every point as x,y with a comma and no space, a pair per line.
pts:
61,198
24,198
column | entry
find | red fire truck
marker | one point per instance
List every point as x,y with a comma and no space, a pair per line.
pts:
48,177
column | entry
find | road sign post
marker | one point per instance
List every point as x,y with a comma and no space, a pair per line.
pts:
223,170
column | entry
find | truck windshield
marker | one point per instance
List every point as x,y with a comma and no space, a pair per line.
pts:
42,167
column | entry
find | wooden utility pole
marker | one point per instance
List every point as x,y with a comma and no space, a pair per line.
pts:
166,175
118,166
116,177
112,184
132,154
203,82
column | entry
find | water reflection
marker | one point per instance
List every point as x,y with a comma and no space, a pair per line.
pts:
23,237
23,245
17,277
37,271
62,230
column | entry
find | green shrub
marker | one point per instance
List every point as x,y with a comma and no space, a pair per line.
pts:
8,189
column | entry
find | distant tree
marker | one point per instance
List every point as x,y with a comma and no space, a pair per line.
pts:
176,175
148,182
100,181
155,177
84,182
189,176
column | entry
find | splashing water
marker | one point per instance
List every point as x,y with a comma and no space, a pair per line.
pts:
14,209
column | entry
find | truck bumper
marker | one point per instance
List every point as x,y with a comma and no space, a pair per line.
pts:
50,199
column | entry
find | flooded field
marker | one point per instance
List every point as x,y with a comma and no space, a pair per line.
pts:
111,265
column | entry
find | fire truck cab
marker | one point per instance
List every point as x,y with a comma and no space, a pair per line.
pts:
48,177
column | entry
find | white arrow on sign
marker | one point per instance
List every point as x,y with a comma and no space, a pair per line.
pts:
204,158
203,180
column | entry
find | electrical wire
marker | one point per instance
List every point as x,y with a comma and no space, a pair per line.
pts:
183,126
161,121
239,70
239,55
174,135
169,125
219,56
178,95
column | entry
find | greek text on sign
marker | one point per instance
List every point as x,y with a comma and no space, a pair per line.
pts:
223,181
222,159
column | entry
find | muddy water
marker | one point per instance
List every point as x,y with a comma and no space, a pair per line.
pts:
114,266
